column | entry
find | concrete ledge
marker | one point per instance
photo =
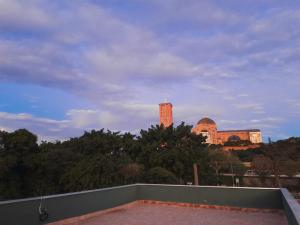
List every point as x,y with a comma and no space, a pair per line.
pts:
291,207
63,206
268,198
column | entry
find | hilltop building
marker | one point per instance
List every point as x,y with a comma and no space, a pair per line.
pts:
208,128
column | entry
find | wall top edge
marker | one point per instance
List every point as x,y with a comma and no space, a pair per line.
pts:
125,186
65,194
197,186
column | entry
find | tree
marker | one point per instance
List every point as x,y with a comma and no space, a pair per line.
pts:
219,160
131,172
174,149
238,143
262,165
53,162
159,175
281,158
16,156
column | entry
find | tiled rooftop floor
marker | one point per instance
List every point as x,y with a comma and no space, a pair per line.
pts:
139,213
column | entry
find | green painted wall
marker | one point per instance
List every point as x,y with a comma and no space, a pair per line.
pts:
236,197
25,211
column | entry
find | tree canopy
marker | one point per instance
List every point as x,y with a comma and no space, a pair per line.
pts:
102,158
98,159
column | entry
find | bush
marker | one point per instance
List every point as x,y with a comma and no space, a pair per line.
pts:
238,143
159,175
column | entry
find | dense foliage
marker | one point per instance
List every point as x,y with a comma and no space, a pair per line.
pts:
104,158
99,159
238,143
278,159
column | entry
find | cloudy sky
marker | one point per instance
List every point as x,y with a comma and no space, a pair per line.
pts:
67,65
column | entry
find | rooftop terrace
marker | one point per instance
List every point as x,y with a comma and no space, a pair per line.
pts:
161,213
158,204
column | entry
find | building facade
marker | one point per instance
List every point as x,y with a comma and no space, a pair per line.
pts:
208,128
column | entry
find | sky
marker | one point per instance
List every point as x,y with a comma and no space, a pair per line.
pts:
69,66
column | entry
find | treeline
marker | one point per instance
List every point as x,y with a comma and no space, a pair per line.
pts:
101,158
275,158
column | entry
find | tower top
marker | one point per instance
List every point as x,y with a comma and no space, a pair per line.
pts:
165,114
165,103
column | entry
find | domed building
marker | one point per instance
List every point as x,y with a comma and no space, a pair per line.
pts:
208,128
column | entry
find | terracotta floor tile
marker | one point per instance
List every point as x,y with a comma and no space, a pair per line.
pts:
142,213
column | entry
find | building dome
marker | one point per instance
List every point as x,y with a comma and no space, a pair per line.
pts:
206,121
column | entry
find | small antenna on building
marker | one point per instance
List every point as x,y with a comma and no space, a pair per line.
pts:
166,100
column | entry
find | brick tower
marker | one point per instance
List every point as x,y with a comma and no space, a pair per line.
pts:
165,114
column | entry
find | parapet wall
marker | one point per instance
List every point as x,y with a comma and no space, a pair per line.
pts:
65,206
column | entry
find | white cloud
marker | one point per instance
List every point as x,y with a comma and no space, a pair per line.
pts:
23,14
77,121
193,113
268,125
86,118
249,106
210,88
243,95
